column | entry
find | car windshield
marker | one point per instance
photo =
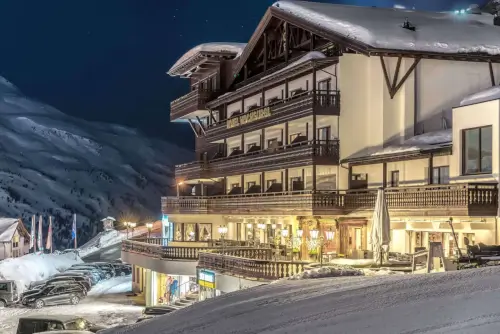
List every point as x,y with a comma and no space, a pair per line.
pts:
80,324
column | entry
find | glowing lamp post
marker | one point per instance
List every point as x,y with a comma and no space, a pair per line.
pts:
318,240
150,227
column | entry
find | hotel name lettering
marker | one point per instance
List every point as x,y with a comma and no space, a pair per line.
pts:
251,116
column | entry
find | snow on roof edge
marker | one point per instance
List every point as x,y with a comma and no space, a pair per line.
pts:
485,95
236,48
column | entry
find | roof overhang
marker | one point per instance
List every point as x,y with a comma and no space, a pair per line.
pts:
444,149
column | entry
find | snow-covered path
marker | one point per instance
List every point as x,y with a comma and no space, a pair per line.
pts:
454,302
105,305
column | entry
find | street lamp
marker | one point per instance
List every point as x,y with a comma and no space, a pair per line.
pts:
318,240
178,186
149,226
222,233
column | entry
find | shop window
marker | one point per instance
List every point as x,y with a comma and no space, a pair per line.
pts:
178,232
477,150
189,232
441,175
205,232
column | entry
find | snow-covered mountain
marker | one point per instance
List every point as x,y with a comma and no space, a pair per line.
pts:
51,163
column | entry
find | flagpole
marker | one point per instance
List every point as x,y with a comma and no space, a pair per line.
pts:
74,226
51,238
33,234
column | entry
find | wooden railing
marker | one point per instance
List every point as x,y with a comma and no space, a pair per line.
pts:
277,157
475,198
210,242
190,102
158,251
300,105
267,269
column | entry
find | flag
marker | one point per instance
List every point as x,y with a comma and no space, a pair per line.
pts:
73,229
49,236
40,236
33,232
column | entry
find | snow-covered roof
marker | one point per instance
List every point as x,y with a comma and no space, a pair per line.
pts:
423,142
235,48
381,28
8,227
490,94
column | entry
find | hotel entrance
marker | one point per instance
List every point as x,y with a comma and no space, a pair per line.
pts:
353,238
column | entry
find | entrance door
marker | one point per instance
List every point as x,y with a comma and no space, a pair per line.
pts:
358,239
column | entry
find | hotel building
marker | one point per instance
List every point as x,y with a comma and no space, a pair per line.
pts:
298,128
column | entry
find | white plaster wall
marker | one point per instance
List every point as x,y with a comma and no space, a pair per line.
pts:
476,115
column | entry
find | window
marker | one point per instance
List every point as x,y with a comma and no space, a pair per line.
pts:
272,143
294,136
395,178
252,107
249,146
251,184
324,85
235,185
236,148
269,183
4,287
477,150
441,175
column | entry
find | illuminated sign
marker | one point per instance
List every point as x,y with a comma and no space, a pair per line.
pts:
207,279
251,116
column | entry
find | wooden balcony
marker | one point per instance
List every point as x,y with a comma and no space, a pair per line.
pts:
297,106
472,199
192,101
288,156
264,267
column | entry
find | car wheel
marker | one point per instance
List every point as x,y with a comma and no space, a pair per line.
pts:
122,273
74,300
108,276
2,304
39,303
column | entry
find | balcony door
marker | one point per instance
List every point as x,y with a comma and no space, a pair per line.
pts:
324,134
324,85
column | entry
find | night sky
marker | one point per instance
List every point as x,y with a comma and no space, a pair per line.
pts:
106,60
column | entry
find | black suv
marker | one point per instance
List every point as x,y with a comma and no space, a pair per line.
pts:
43,323
122,269
84,281
54,294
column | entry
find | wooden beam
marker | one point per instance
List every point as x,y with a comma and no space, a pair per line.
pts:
212,116
265,50
396,74
201,125
407,74
194,129
386,75
286,39
492,75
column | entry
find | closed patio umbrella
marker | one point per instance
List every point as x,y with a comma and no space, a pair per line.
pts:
380,235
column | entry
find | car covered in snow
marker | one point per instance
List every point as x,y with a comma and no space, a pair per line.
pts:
106,268
92,278
92,269
84,281
58,323
54,294
8,293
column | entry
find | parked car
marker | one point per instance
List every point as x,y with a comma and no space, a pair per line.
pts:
84,281
108,268
59,283
122,269
92,268
8,293
94,275
54,295
59,323
84,274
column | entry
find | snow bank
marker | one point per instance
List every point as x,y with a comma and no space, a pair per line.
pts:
35,267
381,272
333,271
486,95
101,240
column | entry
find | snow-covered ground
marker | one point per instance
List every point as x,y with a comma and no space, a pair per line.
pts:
35,267
106,305
112,237
453,302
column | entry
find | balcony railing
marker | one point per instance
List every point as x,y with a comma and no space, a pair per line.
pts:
468,199
192,101
267,269
281,157
294,107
